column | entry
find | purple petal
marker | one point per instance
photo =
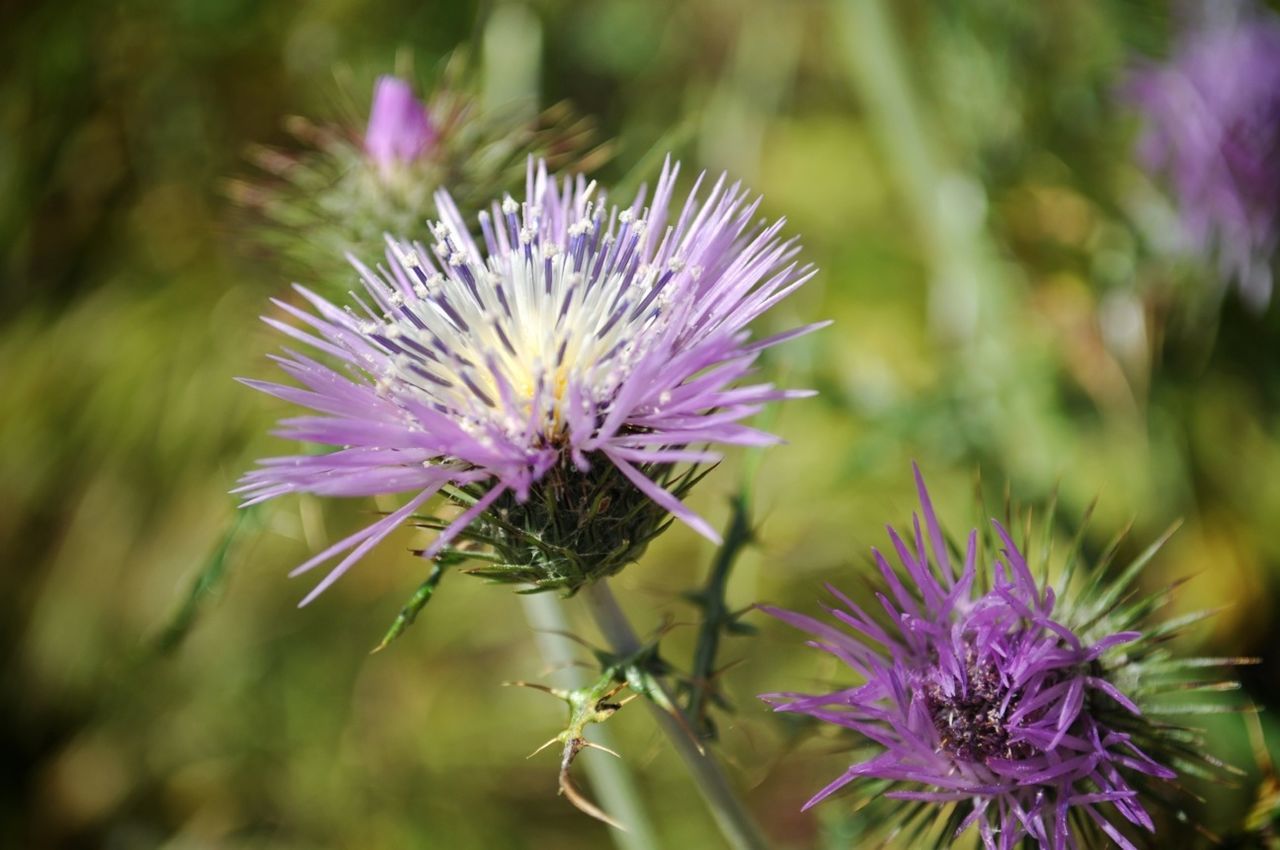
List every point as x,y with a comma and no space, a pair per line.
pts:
399,129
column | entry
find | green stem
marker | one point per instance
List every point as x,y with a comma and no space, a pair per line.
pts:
716,615
938,196
971,299
735,822
612,783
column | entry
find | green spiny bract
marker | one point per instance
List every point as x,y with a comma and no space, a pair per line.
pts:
1101,599
575,527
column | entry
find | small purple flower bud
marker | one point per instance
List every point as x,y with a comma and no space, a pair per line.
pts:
399,130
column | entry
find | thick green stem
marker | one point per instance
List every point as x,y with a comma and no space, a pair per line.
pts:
731,815
610,779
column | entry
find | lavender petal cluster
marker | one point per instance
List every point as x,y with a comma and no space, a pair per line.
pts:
574,337
981,698
1212,125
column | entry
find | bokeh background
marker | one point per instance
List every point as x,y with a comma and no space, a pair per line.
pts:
1008,298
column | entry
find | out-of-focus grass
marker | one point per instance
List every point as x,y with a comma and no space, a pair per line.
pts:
129,305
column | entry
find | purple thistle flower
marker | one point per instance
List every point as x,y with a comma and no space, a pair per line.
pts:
399,129
1212,123
578,356
339,188
984,698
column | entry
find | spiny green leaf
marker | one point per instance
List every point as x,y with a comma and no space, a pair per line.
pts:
414,606
206,582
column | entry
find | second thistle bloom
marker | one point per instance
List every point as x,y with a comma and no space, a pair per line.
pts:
1212,124
984,691
550,376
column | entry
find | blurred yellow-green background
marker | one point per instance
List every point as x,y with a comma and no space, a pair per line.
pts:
1004,302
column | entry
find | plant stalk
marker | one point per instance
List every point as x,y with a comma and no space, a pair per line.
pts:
610,780
735,822
716,615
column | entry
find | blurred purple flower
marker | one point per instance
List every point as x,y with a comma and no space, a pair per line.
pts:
1212,124
980,698
399,130
580,335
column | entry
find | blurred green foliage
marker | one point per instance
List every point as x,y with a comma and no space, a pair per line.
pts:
1004,300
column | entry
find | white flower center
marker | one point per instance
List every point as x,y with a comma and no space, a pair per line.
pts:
512,341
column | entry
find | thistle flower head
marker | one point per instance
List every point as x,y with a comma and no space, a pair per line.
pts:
550,378
400,130
341,186
986,693
1212,123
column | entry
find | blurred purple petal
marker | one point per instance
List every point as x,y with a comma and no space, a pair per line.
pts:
1211,125
399,129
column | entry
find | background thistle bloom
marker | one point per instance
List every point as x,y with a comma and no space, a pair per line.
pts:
1022,708
1212,123
343,185
550,382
